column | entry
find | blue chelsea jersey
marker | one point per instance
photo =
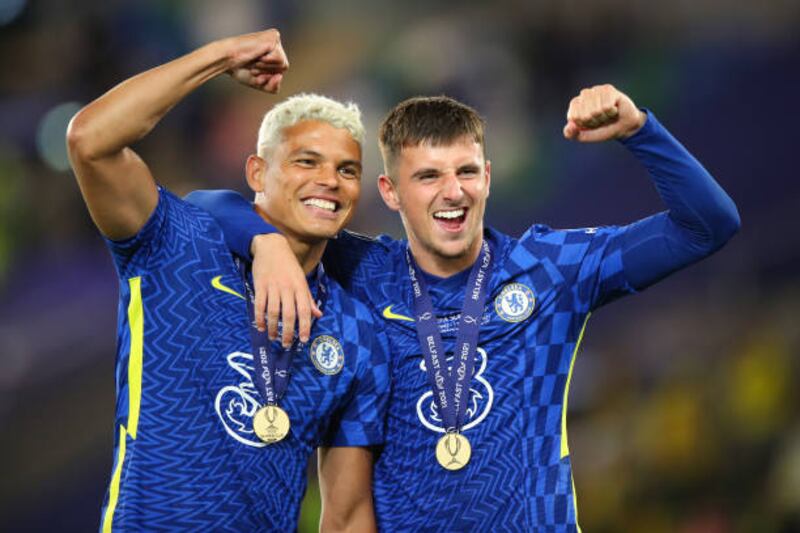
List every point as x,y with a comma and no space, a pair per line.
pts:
542,290
186,456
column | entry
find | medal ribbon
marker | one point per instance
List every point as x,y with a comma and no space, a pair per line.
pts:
451,389
272,365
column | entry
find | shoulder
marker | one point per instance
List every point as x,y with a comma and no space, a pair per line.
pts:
565,244
354,242
353,259
561,252
172,227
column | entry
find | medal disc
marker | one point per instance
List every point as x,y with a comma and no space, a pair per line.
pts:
271,424
453,451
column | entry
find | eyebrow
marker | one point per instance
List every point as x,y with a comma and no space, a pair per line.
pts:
305,151
427,171
317,155
469,166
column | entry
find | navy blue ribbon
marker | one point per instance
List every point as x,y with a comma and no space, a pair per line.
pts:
451,388
272,362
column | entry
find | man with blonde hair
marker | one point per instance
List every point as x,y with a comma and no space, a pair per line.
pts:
215,422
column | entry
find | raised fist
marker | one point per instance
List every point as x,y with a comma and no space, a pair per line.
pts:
602,113
257,60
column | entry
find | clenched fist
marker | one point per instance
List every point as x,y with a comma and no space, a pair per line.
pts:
257,60
602,113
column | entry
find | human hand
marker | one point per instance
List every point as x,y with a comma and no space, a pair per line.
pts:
280,289
257,60
602,113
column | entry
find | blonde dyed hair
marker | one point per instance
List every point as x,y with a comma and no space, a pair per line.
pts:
307,106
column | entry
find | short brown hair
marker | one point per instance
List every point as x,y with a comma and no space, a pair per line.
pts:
438,120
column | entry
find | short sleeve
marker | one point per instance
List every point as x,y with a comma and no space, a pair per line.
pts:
133,255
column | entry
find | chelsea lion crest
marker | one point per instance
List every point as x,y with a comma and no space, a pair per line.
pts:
515,302
327,354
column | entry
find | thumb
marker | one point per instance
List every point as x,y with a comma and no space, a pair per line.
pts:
571,130
595,135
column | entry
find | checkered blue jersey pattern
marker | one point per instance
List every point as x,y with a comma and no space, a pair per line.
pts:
519,477
186,456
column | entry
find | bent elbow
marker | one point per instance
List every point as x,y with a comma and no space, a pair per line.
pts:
729,225
77,143
82,140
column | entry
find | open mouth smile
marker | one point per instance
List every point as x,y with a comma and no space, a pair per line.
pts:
451,219
322,206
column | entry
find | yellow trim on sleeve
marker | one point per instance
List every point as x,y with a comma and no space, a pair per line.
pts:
113,491
136,325
564,443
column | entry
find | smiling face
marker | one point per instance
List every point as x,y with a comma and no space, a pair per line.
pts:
440,192
309,183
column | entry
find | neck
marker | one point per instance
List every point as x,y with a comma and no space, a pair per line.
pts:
308,253
445,266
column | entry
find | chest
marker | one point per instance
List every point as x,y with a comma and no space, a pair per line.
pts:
206,362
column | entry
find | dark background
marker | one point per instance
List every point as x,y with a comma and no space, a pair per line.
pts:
683,408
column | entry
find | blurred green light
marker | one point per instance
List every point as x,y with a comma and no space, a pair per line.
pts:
51,136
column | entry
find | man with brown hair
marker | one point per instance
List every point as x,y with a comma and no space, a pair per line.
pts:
484,327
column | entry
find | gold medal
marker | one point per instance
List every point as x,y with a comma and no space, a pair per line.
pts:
453,451
271,424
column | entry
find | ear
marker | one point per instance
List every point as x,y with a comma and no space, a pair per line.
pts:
255,168
488,172
388,192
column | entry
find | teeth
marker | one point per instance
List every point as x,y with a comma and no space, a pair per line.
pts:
449,214
322,204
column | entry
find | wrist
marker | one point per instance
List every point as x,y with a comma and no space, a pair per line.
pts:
266,240
638,124
221,54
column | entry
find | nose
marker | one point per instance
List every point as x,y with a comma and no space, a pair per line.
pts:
328,176
451,187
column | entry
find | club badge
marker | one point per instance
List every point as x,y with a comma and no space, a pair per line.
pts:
515,302
327,355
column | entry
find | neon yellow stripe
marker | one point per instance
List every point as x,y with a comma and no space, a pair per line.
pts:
113,492
574,502
564,444
564,440
136,325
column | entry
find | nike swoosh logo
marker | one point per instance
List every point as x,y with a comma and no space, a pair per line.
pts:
217,284
387,313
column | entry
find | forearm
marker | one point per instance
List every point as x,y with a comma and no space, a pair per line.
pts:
360,518
345,475
129,111
239,221
700,215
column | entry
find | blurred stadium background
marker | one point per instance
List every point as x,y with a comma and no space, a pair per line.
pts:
684,407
